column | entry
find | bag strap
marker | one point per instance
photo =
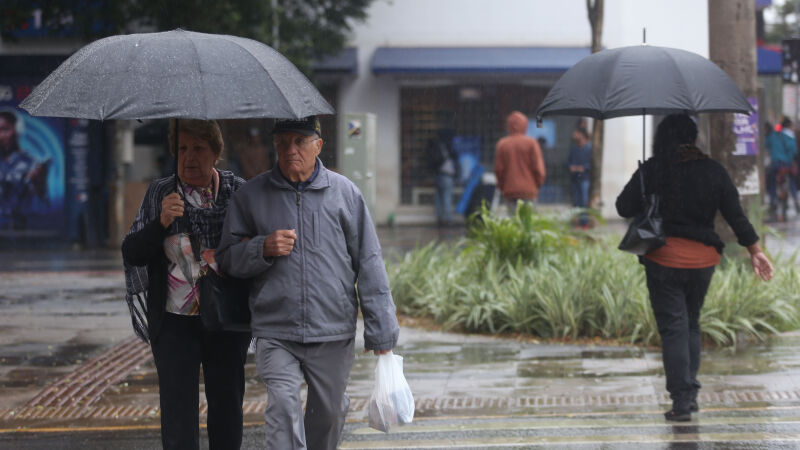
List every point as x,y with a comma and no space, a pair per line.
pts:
195,248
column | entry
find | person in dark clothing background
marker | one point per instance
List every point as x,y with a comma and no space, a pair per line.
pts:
444,163
692,188
782,146
580,162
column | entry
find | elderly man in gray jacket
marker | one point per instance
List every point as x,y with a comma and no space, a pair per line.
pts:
304,236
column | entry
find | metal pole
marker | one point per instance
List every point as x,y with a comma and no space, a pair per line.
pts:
175,148
644,125
643,137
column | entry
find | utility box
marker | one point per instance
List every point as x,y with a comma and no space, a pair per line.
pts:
356,158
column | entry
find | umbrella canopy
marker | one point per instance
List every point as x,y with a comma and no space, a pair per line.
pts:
176,74
641,80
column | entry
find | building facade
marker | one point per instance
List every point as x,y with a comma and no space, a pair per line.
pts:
420,61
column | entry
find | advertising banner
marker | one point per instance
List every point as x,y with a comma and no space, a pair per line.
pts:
745,127
32,168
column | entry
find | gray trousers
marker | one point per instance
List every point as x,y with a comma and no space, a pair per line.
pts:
325,367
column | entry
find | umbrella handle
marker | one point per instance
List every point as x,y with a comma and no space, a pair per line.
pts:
175,140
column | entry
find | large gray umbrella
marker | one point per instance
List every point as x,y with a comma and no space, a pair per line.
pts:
643,79
176,74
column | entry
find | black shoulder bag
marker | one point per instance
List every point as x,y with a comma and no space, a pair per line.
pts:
224,300
646,231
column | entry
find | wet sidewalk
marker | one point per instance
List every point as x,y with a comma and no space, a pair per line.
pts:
69,364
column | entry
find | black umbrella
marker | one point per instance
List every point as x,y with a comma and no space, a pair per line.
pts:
643,79
176,74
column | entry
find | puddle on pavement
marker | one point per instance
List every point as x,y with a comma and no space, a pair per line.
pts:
27,377
42,355
438,353
778,355
579,369
613,353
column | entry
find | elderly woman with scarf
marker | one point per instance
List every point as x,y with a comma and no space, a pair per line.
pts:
162,271
691,189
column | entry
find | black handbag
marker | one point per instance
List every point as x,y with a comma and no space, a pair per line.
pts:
224,300
646,231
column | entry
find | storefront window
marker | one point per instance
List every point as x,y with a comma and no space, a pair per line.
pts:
476,113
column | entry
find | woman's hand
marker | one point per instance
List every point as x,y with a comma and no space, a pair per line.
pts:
761,265
171,207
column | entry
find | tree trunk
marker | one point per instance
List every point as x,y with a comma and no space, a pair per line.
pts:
732,46
595,10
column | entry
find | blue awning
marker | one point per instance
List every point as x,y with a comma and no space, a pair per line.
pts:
343,63
770,62
476,60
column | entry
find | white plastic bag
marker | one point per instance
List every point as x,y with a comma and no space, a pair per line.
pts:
391,402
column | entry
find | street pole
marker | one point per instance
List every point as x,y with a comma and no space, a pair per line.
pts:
123,155
732,46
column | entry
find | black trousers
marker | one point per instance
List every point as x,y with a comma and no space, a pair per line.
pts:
676,296
183,345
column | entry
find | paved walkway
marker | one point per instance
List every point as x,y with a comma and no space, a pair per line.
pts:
68,363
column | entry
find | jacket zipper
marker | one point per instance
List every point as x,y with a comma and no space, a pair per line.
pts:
298,244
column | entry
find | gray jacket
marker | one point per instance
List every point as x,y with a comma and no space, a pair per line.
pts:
311,295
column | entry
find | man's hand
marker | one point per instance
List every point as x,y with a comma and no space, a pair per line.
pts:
279,243
377,352
171,207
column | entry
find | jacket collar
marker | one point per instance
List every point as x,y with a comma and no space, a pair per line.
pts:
321,181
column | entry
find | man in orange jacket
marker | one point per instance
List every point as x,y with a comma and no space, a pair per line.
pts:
518,163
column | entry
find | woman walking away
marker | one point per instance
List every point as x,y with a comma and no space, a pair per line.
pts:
161,265
692,188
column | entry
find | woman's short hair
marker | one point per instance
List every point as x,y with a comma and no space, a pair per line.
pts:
207,130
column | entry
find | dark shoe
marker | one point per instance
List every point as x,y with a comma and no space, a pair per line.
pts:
693,406
673,416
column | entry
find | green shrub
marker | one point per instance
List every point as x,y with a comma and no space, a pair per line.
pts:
524,236
531,274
